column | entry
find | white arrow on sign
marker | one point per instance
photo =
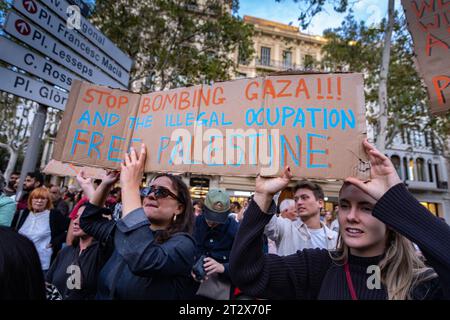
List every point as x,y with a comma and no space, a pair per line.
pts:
47,45
22,27
28,88
30,5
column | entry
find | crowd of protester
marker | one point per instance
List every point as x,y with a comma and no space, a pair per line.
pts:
112,238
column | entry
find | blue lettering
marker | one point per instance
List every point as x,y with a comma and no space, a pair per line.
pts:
285,143
310,152
93,145
351,122
162,146
287,113
112,149
334,122
277,118
76,140
313,111
300,118
85,117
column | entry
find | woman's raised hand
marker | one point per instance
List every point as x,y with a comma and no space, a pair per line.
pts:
383,175
266,188
133,167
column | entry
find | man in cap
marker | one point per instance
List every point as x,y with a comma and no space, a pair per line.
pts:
214,233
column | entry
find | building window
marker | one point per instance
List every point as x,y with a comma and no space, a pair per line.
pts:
405,168
265,56
418,139
287,59
430,171
396,162
420,163
433,207
308,62
436,174
411,169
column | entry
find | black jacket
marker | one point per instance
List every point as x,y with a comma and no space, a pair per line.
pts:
140,268
89,264
312,274
216,242
58,227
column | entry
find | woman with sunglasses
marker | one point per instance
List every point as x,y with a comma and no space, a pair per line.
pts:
375,258
153,250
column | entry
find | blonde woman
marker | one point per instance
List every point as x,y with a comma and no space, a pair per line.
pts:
375,258
43,225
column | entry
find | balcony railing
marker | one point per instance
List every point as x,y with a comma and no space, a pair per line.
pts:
275,64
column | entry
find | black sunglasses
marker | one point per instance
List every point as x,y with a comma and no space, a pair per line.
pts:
159,192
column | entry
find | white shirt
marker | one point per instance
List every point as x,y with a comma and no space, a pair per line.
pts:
335,225
37,228
290,236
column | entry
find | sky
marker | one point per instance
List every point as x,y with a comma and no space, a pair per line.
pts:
287,11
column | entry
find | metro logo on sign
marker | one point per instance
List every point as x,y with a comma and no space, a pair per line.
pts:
30,5
22,27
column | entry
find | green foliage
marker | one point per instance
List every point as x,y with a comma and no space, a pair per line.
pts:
176,42
358,48
5,6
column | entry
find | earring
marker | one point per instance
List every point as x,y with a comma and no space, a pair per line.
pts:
174,217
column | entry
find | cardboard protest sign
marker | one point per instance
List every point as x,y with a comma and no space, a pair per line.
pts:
314,123
68,169
429,25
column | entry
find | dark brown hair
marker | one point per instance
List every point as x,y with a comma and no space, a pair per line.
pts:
185,220
315,188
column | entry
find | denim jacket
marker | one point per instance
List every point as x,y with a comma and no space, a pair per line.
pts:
140,268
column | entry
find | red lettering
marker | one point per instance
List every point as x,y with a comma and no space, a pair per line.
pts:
145,106
172,99
111,101
269,89
203,98
287,85
154,102
431,42
424,5
123,100
254,95
440,86
218,100
184,101
301,87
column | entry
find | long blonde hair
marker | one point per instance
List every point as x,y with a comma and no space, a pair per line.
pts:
401,268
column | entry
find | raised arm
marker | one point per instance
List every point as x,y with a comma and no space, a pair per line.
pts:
296,276
131,174
398,209
93,223
274,229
